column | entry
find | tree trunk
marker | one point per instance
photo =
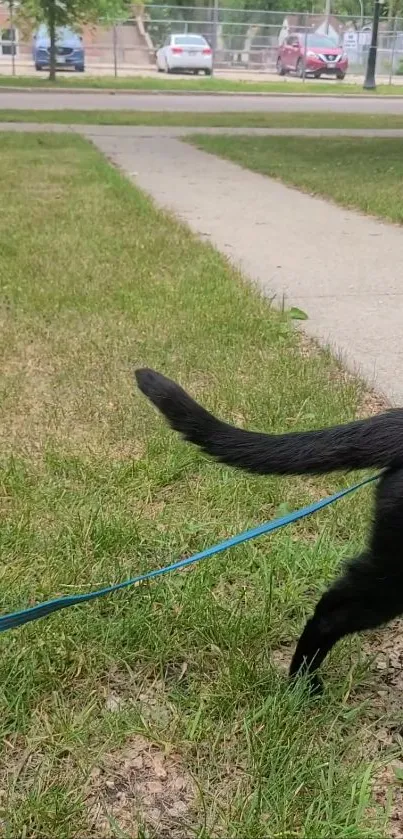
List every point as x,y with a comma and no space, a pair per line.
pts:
52,37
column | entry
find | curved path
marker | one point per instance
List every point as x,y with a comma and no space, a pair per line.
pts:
344,269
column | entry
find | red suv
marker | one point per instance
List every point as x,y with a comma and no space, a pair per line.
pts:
322,56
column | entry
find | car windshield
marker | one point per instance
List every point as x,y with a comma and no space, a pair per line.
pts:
321,41
190,40
62,33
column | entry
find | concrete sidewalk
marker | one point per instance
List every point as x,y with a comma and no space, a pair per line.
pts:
344,269
198,102
135,132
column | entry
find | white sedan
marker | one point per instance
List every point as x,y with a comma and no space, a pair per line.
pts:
185,53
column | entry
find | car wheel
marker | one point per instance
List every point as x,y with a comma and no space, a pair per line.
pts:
38,68
207,72
279,67
317,75
80,68
300,69
341,76
169,69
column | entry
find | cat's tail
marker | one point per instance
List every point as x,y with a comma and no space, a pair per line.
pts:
376,442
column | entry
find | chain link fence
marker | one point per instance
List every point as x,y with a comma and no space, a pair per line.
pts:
249,40
245,41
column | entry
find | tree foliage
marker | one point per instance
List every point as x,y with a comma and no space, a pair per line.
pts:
58,14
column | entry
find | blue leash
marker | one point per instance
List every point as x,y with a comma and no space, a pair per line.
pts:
14,619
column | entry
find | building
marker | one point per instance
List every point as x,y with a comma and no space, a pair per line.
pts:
126,44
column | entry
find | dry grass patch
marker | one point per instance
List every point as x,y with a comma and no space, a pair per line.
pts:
142,788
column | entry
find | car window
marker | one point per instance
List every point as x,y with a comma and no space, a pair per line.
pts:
190,40
321,41
293,41
63,33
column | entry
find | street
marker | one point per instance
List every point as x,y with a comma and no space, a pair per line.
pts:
90,101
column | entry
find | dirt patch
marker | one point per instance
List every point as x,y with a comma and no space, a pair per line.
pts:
386,649
281,658
373,403
141,790
148,695
388,793
308,347
384,691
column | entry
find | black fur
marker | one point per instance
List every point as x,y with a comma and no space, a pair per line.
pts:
370,592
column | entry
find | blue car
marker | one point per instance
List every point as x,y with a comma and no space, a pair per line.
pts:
69,50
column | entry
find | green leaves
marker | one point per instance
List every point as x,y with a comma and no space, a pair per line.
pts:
72,13
297,314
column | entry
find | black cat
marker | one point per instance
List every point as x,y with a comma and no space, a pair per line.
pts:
370,592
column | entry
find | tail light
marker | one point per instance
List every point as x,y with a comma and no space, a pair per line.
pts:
207,51
176,50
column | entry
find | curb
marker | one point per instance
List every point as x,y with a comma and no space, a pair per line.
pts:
185,93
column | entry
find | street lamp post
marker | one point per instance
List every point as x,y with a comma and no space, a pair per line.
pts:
362,14
327,16
12,33
369,82
215,33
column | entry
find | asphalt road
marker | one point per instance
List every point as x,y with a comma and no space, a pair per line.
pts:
39,100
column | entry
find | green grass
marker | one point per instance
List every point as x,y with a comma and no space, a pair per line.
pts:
364,173
198,84
206,120
94,488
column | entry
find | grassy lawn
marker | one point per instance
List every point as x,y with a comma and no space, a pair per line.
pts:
354,172
164,709
206,120
198,84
